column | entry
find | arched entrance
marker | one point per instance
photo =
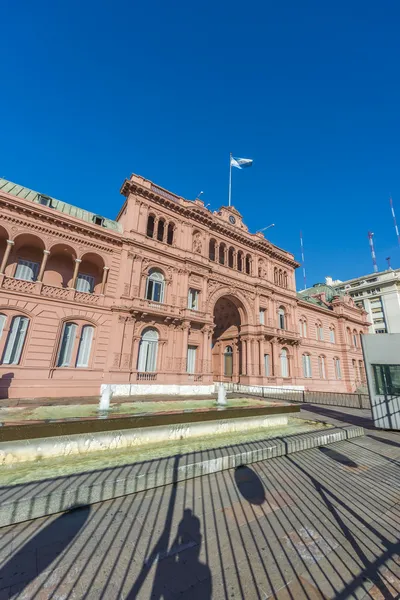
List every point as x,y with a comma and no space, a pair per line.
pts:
226,344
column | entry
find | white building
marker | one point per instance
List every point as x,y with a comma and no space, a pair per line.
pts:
379,295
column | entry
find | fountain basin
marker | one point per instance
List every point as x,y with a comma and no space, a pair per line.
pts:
140,431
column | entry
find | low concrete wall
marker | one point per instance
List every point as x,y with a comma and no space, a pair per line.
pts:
152,389
82,444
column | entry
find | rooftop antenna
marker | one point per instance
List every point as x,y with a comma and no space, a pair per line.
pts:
394,221
388,262
371,244
302,260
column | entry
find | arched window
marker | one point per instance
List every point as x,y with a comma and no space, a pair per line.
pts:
212,250
337,368
275,275
160,230
284,363
260,267
67,345
303,327
15,340
222,249
240,261
306,359
355,343
281,318
155,286
147,359
150,226
248,264
72,334
85,346
228,361
319,331
170,234
285,279
231,254
322,368
332,334
348,335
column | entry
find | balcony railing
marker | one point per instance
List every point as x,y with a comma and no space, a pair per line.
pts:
160,307
146,376
38,288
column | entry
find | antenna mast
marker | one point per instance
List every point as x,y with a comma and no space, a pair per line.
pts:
371,243
394,221
302,260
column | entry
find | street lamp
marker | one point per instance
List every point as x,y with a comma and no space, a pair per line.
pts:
264,228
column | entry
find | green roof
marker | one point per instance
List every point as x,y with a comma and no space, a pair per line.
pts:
25,193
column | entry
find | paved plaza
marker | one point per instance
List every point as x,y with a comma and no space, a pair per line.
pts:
323,523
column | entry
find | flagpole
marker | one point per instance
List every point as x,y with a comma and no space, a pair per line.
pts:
230,178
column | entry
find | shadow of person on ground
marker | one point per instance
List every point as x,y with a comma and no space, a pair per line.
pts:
5,384
249,485
384,440
338,457
30,561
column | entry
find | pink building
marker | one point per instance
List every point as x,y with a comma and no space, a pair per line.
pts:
168,298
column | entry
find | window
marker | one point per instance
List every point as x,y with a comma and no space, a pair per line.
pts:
67,345
322,369
355,344
147,359
212,250
155,286
170,234
307,365
98,220
319,331
266,365
248,265
85,283
338,370
303,327
85,346
27,270
387,379
193,299
332,335
150,226
231,254
15,340
284,363
45,200
228,361
191,359
161,230
222,249
281,318
262,316
240,261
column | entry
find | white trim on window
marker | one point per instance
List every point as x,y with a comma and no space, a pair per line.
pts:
15,340
85,346
66,345
191,359
85,283
27,270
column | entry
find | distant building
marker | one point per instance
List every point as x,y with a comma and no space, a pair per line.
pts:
379,295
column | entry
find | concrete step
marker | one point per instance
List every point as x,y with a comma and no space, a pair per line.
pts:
37,499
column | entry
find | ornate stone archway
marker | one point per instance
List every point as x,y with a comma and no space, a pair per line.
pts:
227,345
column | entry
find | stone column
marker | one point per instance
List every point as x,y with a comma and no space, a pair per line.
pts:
273,358
76,270
244,357
135,352
261,355
205,350
235,359
46,254
104,280
185,339
249,358
160,357
10,244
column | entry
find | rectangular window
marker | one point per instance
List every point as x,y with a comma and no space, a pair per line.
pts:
2,323
306,365
26,270
193,299
322,372
191,359
67,344
15,341
85,346
262,316
338,370
387,379
320,333
332,336
266,365
85,283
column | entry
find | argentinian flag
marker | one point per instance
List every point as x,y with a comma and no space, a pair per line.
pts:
241,163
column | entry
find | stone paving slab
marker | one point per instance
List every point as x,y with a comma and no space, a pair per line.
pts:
29,501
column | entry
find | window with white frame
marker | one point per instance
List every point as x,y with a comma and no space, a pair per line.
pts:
15,340
338,370
67,344
84,283
303,327
332,335
322,369
281,318
27,270
148,349
193,299
2,323
319,331
284,363
355,343
191,359
85,346
262,316
155,286
306,365
266,365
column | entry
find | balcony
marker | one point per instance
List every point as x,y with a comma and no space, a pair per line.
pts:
149,306
287,336
36,288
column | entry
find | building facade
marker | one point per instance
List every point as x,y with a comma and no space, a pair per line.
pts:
168,298
379,295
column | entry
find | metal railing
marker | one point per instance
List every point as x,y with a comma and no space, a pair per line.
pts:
347,400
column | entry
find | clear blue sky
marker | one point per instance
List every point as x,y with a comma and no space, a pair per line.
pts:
93,91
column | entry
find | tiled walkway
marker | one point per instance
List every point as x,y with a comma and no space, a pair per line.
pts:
323,523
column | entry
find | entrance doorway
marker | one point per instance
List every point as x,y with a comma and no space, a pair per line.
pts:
226,352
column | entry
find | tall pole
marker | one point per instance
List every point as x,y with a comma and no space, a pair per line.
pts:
302,260
371,243
230,178
394,221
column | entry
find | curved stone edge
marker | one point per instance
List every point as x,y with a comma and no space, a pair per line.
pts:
161,472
